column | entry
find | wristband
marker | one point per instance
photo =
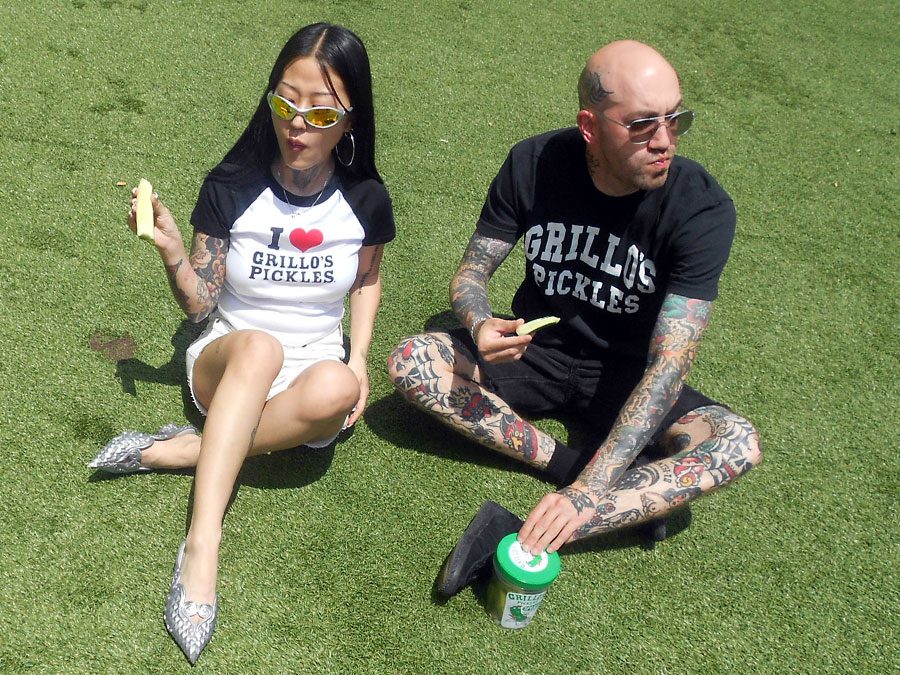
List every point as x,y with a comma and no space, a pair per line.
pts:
473,330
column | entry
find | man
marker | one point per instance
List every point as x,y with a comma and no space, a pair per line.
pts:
625,243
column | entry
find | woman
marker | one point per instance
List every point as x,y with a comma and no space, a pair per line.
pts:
291,221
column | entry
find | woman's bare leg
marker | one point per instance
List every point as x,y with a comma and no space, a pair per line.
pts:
313,408
239,369
233,383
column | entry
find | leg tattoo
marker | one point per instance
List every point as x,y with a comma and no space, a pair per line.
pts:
721,447
437,374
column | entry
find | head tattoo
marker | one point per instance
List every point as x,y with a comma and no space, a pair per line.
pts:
590,89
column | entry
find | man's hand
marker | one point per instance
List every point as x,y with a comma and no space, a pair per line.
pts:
556,517
497,340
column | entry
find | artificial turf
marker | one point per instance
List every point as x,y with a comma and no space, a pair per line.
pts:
329,556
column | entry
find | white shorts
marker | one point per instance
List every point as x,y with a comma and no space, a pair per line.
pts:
296,360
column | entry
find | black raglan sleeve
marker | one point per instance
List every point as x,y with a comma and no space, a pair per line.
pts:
215,210
372,205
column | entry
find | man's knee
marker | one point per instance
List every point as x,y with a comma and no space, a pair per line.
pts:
405,361
754,453
728,440
740,440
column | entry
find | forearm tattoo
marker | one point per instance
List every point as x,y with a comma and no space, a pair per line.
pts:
673,347
716,458
578,499
426,372
172,275
609,516
208,262
468,289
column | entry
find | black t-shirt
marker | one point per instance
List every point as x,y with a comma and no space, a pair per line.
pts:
604,264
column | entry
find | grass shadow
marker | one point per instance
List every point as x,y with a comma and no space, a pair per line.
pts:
287,469
639,535
394,420
283,470
131,370
443,321
98,476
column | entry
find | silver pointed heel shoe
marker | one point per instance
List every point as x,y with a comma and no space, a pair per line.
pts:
191,636
123,453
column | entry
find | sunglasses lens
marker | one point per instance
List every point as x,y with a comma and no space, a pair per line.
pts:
642,130
322,117
682,122
281,108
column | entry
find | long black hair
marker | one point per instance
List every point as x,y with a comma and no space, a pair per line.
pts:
339,50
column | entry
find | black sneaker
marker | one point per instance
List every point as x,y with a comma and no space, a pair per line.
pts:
472,554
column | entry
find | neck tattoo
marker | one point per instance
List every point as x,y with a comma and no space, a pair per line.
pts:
305,179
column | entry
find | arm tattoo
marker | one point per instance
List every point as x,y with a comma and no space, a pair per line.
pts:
610,515
363,275
643,477
171,273
468,289
673,347
208,262
579,499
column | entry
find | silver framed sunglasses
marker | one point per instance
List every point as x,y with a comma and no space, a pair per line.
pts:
641,130
319,116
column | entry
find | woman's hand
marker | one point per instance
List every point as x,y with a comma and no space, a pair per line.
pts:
360,369
165,232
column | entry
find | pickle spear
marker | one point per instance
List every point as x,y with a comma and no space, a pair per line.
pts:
145,211
536,324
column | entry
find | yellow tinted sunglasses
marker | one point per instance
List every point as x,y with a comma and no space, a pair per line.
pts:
319,116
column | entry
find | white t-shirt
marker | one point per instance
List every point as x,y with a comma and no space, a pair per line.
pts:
291,260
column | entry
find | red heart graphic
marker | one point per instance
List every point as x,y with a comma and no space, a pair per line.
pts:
304,240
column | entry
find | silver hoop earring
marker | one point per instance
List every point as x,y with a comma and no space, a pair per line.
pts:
352,153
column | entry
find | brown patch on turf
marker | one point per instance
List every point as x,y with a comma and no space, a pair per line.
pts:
115,349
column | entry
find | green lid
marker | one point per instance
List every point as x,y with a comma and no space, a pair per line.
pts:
523,569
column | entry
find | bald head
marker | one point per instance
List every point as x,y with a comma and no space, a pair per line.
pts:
622,71
627,82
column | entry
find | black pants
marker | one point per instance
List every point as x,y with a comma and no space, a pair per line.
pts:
547,382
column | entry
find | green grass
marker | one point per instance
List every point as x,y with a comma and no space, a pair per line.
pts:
329,556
